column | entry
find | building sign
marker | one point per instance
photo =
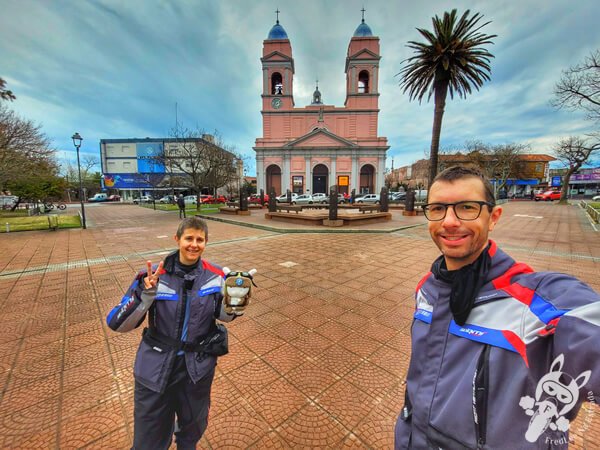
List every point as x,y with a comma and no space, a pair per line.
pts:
556,181
297,181
586,176
343,181
130,181
148,154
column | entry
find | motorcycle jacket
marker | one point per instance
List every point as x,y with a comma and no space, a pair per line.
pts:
182,308
514,375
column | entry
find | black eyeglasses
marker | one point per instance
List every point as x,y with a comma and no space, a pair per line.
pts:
469,210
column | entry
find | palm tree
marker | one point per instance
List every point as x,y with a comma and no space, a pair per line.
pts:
452,60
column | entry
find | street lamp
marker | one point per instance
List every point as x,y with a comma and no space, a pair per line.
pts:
77,143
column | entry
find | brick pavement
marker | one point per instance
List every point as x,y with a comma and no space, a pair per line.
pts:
318,360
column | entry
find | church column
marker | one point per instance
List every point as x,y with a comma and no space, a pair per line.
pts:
285,175
355,182
260,173
380,174
333,175
308,180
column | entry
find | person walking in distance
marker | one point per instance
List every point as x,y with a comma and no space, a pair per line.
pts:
181,204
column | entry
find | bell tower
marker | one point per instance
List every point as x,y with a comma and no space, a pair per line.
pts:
362,69
278,70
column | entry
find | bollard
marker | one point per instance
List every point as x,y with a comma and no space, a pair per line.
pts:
7,227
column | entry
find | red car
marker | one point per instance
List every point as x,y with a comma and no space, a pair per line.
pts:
255,199
548,196
217,199
113,198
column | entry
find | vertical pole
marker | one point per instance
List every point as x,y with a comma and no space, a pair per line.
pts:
81,191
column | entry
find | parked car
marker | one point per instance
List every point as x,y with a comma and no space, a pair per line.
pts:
98,198
368,198
304,199
596,198
254,199
283,197
114,198
548,196
169,199
340,199
216,200
143,199
320,198
396,197
190,199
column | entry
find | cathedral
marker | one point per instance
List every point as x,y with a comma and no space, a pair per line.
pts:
311,148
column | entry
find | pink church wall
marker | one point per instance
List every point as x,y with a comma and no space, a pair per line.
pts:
298,164
343,165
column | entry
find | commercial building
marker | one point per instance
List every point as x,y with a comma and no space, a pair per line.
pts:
135,167
311,148
525,173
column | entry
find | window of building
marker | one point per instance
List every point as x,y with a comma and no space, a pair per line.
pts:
276,84
363,82
538,167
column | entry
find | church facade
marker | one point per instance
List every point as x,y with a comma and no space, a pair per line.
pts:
311,148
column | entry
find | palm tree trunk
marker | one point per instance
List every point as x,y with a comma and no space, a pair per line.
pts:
441,90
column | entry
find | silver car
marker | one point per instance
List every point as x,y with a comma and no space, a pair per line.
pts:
320,198
368,198
304,199
283,197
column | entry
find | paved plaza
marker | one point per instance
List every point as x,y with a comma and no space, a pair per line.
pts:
318,361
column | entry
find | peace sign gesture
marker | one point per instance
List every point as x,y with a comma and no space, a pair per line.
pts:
151,280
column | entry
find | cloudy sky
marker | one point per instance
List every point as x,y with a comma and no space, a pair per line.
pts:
114,69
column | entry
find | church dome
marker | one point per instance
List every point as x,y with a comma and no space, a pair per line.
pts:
277,32
363,30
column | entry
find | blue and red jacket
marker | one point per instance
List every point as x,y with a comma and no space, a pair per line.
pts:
514,375
183,307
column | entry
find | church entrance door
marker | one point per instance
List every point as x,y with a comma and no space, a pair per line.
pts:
320,174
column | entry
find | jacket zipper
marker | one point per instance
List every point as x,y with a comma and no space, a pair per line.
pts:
480,395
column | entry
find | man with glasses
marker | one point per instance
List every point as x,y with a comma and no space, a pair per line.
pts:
502,356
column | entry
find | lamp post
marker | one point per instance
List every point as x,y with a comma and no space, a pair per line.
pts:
77,143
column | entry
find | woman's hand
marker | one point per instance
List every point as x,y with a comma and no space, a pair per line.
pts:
151,279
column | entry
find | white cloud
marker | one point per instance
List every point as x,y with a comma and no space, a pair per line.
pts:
111,69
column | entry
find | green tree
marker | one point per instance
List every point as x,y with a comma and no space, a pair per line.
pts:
451,60
25,156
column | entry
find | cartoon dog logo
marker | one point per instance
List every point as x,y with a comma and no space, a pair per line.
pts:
556,394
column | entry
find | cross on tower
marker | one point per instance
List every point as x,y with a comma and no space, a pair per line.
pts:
363,14
277,11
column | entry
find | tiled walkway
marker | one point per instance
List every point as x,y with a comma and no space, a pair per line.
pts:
318,361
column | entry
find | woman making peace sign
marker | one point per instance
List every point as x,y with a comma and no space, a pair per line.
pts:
175,362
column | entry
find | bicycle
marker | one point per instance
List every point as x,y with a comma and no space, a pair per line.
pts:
59,205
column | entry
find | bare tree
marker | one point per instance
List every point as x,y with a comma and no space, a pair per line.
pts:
498,162
573,152
24,149
200,160
579,87
5,94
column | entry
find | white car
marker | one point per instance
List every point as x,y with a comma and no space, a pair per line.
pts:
304,199
142,199
283,197
368,198
320,198
190,200
596,198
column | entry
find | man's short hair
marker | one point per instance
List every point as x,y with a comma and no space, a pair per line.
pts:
193,222
454,173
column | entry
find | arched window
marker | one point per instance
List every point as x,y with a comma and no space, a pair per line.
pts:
363,82
276,84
